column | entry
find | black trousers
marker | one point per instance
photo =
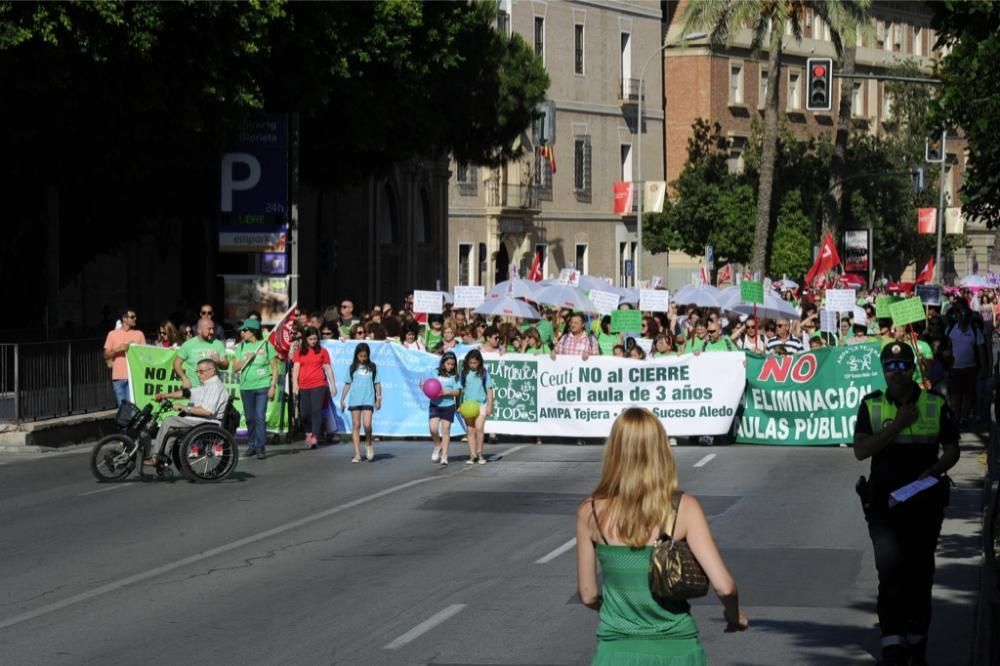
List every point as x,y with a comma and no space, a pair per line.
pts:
904,542
311,409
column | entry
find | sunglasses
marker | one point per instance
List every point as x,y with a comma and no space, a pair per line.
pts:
897,366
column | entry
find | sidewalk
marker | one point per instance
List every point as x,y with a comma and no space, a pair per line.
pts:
56,434
960,560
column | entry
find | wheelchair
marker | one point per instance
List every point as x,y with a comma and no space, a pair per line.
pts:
204,453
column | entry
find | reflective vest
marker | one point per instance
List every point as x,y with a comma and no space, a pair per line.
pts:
925,430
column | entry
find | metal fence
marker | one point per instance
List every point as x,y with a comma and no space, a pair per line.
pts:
44,380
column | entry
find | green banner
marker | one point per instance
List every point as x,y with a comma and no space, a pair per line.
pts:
908,311
626,321
810,398
151,371
751,291
515,388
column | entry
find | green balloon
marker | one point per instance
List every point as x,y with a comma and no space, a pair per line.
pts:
469,409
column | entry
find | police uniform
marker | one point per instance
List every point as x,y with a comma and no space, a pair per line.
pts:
904,536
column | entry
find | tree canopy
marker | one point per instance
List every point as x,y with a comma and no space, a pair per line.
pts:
968,99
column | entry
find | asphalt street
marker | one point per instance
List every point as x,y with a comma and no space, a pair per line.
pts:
306,558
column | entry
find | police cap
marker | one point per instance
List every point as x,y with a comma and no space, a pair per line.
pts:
897,351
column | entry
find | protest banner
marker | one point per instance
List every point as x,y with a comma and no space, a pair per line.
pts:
829,321
841,300
882,304
626,321
151,371
430,302
751,291
604,301
810,398
907,311
654,300
469,296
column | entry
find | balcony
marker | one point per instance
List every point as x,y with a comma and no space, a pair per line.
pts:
629,92
511,195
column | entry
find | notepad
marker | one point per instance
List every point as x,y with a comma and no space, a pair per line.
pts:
904,493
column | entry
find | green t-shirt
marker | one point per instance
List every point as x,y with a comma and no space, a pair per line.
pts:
256,374
534,351
722,344
545,332
431,339
195,350
606,342
695,344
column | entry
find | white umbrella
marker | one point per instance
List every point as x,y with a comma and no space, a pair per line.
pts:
974,281
784,283
626,294
773,307
510,307
702,295
513,288
564,296
588,282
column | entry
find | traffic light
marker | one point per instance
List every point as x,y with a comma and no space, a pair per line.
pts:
933,152
820,90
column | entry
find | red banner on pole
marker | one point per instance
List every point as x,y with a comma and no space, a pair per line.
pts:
926,220
624,193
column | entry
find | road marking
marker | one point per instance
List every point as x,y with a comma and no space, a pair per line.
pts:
507,452
425,626
704,461
557,552
212,552
104,490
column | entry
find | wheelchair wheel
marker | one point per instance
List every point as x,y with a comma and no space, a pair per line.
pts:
207,454
113,458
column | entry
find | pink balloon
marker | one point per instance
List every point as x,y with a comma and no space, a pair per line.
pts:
432,388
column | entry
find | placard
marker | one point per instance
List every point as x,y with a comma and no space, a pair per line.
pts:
604,301
626,321
751,291
882,304
907,312
569,276
929,294
469,296
654,300
656,282
431,302
860,316
841,300
829,320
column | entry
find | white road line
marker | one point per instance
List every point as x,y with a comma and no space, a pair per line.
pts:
104,490
507,452
212,552
557,552
425,626
704,461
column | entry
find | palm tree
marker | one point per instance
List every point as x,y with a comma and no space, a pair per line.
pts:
768,21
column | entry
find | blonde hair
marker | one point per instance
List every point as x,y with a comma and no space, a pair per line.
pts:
638,477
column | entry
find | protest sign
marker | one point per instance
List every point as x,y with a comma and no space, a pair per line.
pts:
654,300
626,321
469,296
604,301
829,321
882,304
841,300
929,294
569,276
151,371
656,282
751,291
431,302
810,398
907,312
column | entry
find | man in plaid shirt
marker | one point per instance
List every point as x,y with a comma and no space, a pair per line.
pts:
576,341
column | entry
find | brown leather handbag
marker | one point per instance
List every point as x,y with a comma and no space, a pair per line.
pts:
674,572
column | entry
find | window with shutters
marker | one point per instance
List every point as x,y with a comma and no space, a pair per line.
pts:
582,258
465,176
540,37
582,167
465,263
794,90
578,48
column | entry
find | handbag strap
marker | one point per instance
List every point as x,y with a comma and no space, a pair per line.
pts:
675,501
593,510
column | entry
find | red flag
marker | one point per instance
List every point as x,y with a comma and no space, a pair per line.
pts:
535,274
825,260
725,274
704,276
549,154
281,336
927,274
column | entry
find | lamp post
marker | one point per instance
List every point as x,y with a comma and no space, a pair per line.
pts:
637,182
940,211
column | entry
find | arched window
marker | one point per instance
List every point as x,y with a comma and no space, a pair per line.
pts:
423,227
388,219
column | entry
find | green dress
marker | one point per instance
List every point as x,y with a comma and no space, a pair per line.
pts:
635,629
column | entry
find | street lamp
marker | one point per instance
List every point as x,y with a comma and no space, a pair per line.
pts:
638,141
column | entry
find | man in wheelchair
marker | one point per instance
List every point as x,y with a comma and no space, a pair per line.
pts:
207,405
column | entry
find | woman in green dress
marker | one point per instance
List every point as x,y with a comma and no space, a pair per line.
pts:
617,526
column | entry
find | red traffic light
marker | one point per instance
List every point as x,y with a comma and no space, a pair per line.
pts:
819,70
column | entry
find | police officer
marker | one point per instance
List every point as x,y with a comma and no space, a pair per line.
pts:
902,429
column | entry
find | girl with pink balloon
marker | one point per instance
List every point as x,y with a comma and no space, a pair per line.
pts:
443,391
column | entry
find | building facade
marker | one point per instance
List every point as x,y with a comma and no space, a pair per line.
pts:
728,85
557,201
